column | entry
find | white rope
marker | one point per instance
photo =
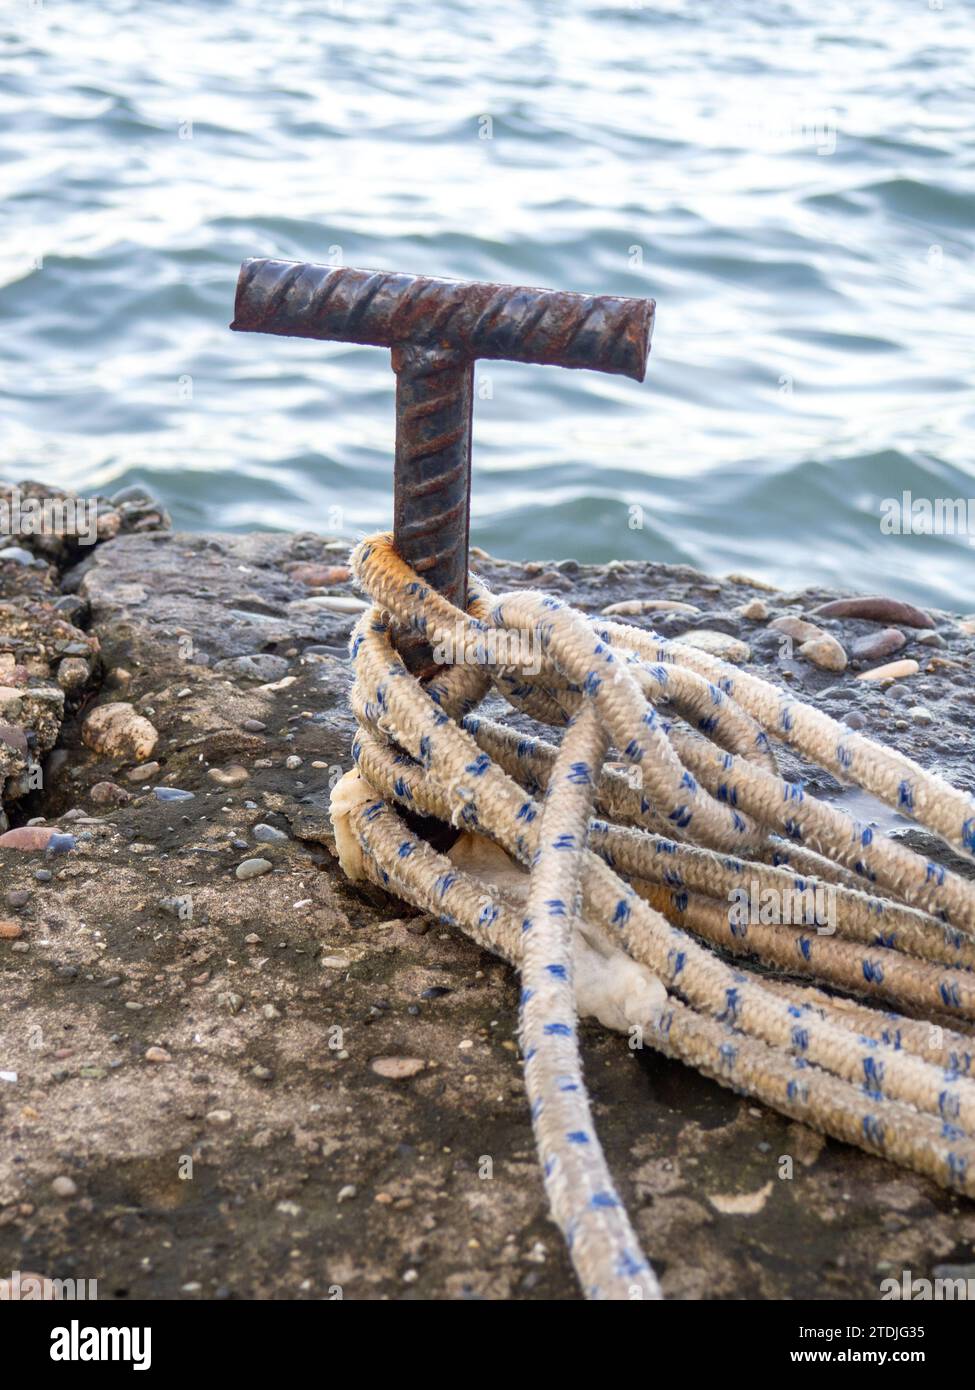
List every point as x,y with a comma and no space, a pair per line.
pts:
615,915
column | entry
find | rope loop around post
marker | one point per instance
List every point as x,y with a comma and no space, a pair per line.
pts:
617,872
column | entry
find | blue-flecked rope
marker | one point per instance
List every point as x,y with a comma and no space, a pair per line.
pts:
890,1087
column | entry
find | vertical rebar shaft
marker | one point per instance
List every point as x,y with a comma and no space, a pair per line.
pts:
432,480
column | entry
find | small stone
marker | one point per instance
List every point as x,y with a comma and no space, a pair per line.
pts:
64,1187
320,576
109,794
633,607
292,762
10,930
253,868
893,671
157,1054
253,726
334,603
878,645
259,666
171,794
717,644
824,652
29,837
796,628
72,673
232,776
17,897
61,844
219,1119
117,731
346,1193
876,609
756,611
397,1068
43,875
920,715
143,773
267,834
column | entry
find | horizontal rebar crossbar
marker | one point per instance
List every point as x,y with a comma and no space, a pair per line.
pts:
436,329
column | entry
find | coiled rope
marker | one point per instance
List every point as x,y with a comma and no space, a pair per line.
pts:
607,883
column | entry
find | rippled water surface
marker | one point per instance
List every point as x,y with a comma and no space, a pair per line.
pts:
793,183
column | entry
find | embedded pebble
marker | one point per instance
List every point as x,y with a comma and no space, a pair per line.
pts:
143,773
64,1187
293,762
157,1054
824,652
717,644
171,794
267,834
232,776
319,576
877,645
253,726
756,611
920,715
220,1119
259,666
117,731
17,555
397,1068
334,603
29,837
876,609
17,897
252,868
894,670
633,607
72,672
10,931
109,794
797,628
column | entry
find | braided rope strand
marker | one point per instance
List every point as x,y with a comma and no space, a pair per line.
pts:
623,848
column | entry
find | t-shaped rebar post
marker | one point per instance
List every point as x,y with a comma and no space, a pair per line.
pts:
436,330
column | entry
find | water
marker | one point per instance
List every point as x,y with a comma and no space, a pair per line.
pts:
791,182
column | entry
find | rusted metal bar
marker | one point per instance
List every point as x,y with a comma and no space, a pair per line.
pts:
432,480
436,329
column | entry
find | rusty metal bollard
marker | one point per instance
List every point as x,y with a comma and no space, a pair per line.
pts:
436,329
